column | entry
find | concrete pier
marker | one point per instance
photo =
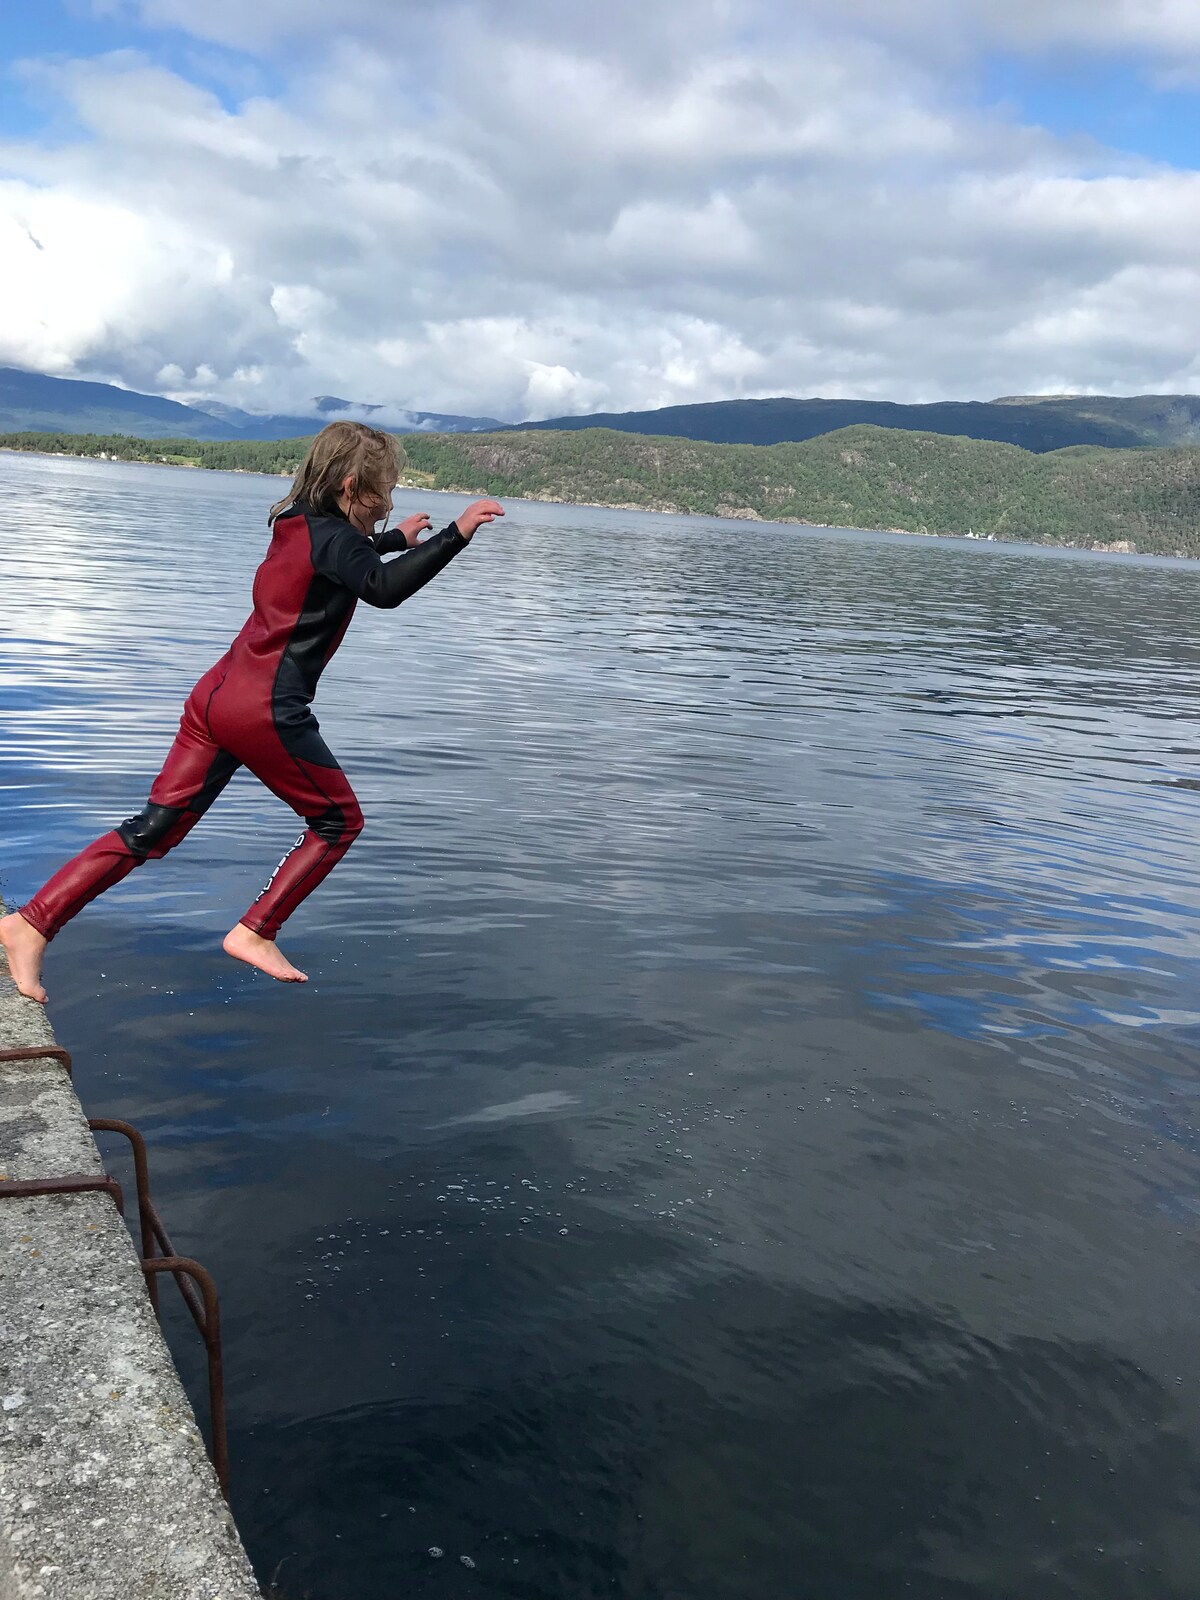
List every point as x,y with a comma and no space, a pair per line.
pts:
106,1492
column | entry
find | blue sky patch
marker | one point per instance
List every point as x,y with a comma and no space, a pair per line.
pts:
54,31
1114,102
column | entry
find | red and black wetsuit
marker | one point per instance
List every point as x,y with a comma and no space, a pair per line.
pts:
252,710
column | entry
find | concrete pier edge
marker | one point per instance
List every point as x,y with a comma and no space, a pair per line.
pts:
106,1492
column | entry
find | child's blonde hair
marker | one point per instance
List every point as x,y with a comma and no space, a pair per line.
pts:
344,449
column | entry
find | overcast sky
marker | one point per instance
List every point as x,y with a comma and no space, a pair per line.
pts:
522,208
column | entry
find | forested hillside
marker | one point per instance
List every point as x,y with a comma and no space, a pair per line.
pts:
862,477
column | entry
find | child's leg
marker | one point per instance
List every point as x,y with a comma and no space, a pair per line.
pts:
193,775
322,796
304,774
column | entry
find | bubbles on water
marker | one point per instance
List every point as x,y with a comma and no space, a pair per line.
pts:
435,1216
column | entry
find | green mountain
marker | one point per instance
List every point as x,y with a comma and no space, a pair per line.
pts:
1034,422
1157,420
860,477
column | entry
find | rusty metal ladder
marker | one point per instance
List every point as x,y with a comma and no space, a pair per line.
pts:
158,1254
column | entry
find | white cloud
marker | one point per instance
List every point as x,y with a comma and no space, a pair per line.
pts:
654,27
1167,29
596,208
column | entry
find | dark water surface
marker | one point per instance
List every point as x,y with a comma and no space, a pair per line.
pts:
741,1137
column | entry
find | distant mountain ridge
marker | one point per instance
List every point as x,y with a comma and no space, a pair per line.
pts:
1034,422
34,402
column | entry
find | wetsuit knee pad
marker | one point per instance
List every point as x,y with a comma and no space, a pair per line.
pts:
152,831
338,825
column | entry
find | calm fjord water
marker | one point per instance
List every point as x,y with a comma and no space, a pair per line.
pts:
741,1137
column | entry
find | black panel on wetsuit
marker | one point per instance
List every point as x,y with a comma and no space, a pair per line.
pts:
340,552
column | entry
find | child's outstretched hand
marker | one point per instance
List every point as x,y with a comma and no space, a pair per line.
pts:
412,527
474,516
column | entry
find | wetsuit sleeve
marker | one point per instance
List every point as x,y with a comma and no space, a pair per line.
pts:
389,541
341,553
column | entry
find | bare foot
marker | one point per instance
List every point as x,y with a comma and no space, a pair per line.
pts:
24,945
262,953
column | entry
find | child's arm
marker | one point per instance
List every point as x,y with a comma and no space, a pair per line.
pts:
402,537
405,534
341,553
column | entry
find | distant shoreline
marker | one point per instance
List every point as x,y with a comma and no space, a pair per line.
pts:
136,461
1097,547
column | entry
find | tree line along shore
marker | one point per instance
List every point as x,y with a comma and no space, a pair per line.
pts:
1083,497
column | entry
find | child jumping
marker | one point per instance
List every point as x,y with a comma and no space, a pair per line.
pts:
252,708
